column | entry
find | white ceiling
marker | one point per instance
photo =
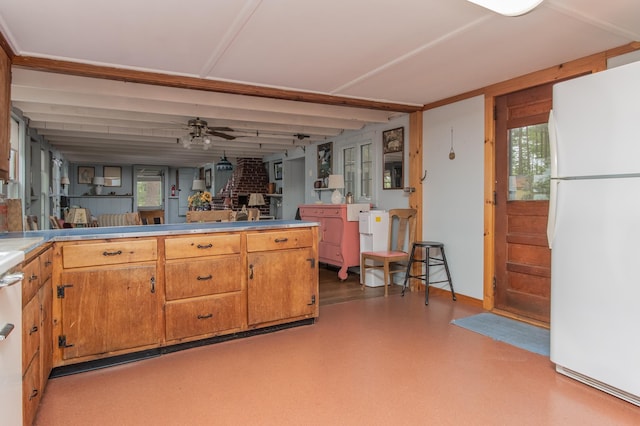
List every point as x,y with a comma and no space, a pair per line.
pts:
409,52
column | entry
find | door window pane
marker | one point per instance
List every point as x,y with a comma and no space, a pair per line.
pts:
529,163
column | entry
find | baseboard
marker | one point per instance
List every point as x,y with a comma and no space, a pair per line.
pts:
81,367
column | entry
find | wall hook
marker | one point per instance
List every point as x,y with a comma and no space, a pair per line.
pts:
424,176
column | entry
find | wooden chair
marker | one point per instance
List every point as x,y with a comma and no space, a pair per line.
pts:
151,217
402,230
209,216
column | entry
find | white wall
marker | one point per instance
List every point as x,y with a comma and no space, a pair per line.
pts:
453,192
381,199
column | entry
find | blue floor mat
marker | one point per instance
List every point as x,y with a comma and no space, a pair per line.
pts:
516,333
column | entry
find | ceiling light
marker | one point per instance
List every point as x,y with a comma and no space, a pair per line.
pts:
508,7
201,134
224,165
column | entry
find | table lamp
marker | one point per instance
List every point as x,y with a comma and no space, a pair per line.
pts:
256,200
336,182
198,185
98,181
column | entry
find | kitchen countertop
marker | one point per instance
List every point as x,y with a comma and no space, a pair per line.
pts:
30,240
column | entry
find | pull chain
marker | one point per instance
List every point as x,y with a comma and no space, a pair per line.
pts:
452,153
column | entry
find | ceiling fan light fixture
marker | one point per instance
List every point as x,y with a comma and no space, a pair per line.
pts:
508,7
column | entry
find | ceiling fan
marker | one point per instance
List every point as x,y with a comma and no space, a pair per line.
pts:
201,134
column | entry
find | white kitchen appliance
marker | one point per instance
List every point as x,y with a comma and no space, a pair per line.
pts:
594,230
374,236
10,338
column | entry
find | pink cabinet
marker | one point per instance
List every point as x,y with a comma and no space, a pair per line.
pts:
339,240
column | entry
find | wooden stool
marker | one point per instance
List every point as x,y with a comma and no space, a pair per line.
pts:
428,261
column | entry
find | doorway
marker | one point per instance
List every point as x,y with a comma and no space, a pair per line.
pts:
522,281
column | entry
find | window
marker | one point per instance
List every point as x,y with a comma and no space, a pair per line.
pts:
529,163
149,188
366,165
358,158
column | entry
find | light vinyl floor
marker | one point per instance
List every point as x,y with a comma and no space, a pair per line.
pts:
377,361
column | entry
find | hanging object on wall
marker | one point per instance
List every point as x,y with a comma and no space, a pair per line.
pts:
452,153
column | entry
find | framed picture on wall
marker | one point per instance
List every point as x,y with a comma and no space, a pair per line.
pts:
207,178
86,174
112,175
325,159
277,170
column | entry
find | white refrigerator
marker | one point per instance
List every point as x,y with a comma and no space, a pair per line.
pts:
594,230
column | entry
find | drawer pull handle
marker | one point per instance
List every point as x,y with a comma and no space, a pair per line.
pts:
6,331
33,277
153,284
34,329
281,240
34,393
208,246
112,253
205,316
251,271
11,279
208,277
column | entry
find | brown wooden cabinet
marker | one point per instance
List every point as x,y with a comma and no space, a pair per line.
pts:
5,116
110,300
36,334
121,295
282,276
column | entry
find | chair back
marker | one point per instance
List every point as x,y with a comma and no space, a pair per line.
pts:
402,229
151,217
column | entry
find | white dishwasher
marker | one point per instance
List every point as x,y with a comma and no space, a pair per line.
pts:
11,337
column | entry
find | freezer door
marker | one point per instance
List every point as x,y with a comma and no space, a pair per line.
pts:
595,281
597,126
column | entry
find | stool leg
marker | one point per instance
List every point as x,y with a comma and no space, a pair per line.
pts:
426,277
408,273
446,268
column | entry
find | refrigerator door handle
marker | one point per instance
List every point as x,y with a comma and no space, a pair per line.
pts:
553,144
551,221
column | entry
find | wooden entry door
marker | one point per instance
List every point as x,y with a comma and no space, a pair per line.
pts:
523,259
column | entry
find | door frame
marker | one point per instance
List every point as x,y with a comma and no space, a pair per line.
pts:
588,65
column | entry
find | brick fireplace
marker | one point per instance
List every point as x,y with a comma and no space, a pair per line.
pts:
249,176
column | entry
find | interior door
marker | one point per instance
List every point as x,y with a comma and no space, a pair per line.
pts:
522,257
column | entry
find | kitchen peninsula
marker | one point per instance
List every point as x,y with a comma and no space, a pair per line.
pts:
123,293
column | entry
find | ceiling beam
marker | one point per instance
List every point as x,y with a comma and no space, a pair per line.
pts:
145,77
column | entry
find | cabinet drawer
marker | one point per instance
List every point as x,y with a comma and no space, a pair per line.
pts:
317,212
31,281
193,278
46,265
204,315
205,245
279,240
30,331
108,253
330,253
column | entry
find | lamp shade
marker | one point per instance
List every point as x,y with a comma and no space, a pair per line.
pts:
64,180
198,185
98,180
256,200
336,182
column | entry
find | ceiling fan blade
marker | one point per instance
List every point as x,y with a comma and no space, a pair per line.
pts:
220,129
221,135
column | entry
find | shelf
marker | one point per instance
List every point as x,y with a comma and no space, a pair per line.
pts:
100,196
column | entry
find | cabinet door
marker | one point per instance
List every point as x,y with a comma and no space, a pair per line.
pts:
282,284
109,309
